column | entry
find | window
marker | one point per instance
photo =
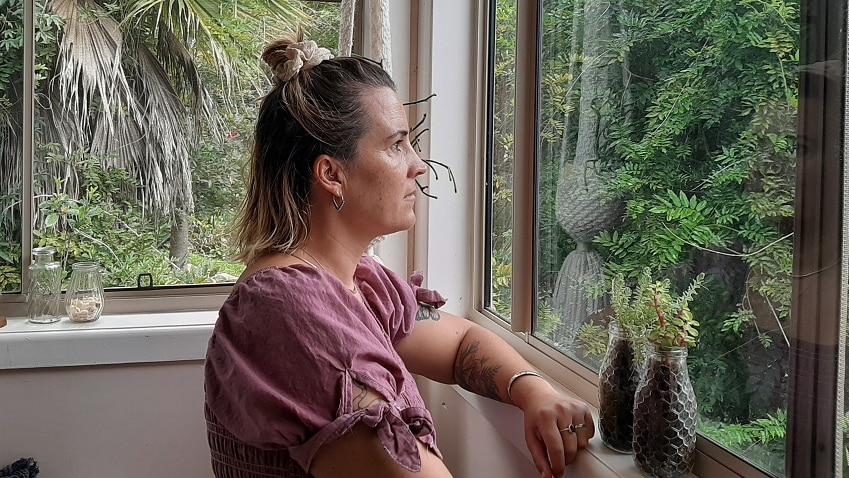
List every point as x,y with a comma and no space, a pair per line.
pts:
682,136
124,139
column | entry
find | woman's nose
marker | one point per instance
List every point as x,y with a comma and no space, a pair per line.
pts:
419,166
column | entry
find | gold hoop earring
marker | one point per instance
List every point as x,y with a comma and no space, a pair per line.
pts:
338,205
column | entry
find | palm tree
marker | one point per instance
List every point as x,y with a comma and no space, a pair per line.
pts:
131,85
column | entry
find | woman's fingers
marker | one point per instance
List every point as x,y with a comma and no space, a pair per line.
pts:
538,452
569,438
587,431
554,446
555,432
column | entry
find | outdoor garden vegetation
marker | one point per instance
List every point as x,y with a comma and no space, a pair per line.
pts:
684,112
143,118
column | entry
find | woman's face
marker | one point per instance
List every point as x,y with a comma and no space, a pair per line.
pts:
381,188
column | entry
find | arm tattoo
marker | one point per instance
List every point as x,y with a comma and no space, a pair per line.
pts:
473,373
361,399
427,312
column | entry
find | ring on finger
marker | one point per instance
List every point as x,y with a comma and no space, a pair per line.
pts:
573,428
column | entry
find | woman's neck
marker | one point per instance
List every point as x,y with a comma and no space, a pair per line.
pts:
333,257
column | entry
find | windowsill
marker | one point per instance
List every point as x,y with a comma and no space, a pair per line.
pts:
112,339
597,460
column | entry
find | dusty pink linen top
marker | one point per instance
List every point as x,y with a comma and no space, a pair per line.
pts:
287,347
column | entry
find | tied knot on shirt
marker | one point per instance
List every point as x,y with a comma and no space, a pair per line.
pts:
425,296
397,431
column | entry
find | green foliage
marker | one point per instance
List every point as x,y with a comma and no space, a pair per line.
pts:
649,310
48,26
592,339
502,168
762,440
10,266
676,326
707,165
91,206
547,319
105,225
502,274
712,165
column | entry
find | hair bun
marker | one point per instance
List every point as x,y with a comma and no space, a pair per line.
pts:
287,59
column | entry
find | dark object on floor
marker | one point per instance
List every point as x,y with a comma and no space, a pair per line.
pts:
23,468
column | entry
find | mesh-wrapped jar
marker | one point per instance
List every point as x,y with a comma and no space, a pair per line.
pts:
617,384
84,298
44,296
665,416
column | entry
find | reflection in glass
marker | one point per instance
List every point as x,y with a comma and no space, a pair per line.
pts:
668,140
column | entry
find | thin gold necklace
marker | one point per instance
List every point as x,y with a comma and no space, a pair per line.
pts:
354,291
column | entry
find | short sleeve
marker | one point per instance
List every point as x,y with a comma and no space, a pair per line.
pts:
285,351
394,300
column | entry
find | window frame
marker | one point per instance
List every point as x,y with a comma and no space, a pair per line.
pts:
817,366
818,290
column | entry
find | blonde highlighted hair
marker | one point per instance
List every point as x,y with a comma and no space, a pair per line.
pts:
318,111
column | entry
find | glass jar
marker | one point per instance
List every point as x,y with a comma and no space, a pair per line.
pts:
617,384
45,287
84,298
665,416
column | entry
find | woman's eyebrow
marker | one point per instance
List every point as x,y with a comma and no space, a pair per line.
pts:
400,132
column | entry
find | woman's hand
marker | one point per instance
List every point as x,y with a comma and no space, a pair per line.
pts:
556,426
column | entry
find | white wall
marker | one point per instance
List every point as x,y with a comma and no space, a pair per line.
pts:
128,421
451,218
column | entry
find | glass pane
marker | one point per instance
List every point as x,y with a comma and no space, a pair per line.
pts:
11,147
668,142
143,128
501,160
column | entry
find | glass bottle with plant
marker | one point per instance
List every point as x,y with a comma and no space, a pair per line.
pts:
627,321
665,408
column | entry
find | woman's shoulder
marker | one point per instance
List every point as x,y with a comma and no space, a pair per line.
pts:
371,269
281,289
266,263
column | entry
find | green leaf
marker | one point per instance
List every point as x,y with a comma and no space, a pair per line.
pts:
51,220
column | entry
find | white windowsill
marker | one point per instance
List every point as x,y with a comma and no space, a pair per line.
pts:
598,461
112,339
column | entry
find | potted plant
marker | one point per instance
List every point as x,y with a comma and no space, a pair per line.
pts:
665,408
627,319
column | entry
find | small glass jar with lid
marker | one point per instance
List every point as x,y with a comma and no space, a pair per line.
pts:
84,298
44,296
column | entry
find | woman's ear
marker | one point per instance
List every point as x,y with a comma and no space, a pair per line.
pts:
329,174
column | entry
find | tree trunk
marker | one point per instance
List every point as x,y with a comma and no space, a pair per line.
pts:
594,79
180,238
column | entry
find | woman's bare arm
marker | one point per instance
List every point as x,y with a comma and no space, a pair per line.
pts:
359,454
451,349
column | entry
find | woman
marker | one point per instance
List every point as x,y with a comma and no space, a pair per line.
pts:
309,368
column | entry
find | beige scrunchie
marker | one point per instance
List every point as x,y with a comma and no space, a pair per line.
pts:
301,56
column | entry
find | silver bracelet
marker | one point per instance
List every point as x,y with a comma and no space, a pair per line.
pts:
516,376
